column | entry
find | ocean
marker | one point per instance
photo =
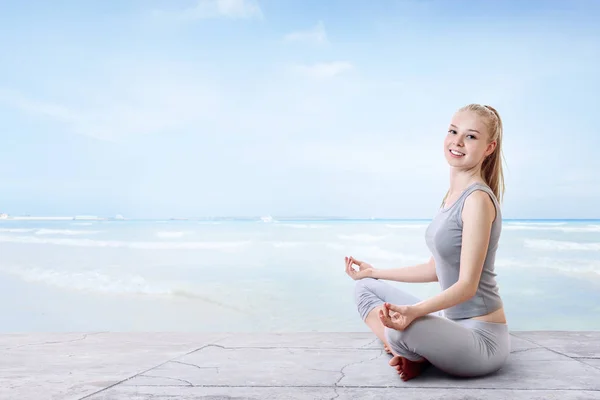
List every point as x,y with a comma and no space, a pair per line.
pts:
270,276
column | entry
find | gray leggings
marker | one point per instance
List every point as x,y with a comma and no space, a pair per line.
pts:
464,347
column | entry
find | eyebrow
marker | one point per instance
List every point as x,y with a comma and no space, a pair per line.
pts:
470,130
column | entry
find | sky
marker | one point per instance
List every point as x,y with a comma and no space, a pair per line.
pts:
188,108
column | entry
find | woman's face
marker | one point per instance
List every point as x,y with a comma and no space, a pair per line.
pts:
467,142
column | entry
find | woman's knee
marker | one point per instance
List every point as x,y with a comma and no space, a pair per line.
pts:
365,297
364,287
364,284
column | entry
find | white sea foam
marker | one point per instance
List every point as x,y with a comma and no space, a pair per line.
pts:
223,246
559,245
69,232
377,253
504,262
361,237
570,267
45,231
587,273
170,234
522,223
101,282
406,226
89,280
303,226
532,292
550,227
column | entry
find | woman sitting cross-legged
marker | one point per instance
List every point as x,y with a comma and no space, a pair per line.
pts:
462,330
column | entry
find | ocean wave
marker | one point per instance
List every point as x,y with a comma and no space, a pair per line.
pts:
406,226
569,267
360,237
559,245
502,262
557,227
522,223
303,226
170,234
586,273
45,231
122,244
98,282
378,253
70,232
16,230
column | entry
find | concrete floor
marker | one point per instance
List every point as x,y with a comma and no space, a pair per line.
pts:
160,366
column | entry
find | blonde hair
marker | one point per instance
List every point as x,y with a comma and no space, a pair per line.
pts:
491,169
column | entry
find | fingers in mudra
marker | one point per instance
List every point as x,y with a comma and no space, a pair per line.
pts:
353,273
349,269
386,316
356,262
394,317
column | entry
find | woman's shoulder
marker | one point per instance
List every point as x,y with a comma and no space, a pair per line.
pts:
480,203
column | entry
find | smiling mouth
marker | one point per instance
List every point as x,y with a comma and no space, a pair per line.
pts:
456,153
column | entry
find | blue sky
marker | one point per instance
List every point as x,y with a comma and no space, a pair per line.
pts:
240,107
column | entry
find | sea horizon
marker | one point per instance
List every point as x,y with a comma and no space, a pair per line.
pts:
271,218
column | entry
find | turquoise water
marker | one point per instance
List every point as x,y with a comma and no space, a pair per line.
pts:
250,275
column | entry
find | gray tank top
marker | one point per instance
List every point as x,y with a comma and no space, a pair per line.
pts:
444,239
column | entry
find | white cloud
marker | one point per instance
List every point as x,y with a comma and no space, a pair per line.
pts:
132,101
323,70
206,9
54,111
315,34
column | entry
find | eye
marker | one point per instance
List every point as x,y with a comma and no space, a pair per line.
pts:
452,131
471,137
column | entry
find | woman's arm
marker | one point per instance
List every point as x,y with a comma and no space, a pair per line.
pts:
478,214
416,273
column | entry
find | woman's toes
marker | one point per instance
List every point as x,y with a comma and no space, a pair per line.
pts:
396,361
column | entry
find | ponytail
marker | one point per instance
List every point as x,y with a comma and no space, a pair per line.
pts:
491,170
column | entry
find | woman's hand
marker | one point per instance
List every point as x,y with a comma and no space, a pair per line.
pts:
397,317
364,269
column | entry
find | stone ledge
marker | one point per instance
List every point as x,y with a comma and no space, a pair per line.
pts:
106,365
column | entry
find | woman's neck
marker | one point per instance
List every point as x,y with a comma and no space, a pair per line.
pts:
460,180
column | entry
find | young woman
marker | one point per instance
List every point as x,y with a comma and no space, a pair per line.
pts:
463,329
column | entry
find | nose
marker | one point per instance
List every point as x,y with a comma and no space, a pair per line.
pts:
458,141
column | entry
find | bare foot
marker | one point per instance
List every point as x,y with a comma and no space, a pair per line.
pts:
396,362
412,369
408,369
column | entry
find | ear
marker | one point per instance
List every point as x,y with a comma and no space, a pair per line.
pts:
490,148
